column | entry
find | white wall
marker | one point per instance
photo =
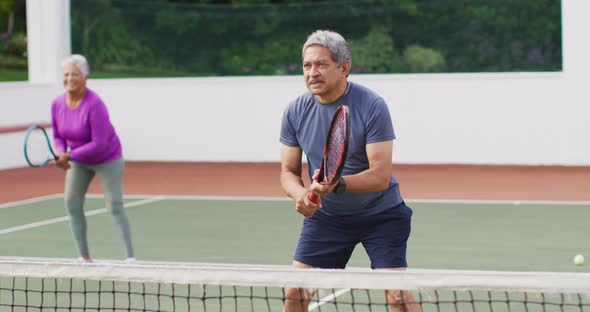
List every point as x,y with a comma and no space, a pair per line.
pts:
509,118
576,63
439,119
24,103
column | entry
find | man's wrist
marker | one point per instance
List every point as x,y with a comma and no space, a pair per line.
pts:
341,186
300,193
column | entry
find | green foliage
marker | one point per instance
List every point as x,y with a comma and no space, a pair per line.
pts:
423,60
375,53
13,75
249,37
268,57
15,63
6,6
100,31
13,41
17,45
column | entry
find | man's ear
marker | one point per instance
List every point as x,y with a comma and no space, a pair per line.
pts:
346,67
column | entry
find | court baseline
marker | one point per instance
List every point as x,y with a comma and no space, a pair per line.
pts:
65,218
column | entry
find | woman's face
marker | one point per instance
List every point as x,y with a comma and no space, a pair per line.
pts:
74,79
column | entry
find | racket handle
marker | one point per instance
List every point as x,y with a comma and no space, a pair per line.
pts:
313,197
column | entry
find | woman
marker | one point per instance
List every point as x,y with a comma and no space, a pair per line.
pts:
87,145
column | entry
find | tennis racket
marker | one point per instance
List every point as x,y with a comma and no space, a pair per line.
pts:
38,151
335,149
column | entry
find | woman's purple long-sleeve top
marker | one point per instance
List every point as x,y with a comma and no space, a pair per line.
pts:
86,130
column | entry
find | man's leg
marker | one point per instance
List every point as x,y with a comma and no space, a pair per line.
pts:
401,300
326,242
386,241
297,299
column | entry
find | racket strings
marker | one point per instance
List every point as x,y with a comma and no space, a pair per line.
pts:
335,147
36,148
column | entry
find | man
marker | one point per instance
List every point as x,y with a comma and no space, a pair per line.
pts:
365,206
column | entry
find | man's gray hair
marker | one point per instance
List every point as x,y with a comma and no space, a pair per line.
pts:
78,61
333,41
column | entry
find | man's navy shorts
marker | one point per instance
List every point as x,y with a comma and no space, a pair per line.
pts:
328,241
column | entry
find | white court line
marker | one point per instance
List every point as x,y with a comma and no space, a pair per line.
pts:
285,198
500,202
63,219
409,200
29,201
202,197
326,299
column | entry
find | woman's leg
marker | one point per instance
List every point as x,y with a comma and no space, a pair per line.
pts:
111,179
78,178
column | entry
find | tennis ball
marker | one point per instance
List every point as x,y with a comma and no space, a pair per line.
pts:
579,260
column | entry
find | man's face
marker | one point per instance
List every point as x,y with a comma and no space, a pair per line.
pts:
322,76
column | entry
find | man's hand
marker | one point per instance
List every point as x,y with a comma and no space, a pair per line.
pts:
320,189
304,205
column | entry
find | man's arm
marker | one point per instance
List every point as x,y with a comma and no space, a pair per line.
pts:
291,180
291,170
374,179
378,176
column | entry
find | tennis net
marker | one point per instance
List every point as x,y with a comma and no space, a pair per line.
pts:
33,284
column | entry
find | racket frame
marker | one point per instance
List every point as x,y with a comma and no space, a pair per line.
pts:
321,178
49,148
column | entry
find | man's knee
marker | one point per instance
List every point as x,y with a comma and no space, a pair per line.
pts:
297,299
401,300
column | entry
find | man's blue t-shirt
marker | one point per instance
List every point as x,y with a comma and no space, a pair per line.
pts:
305,124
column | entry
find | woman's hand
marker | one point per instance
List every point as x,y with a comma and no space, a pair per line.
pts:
63,161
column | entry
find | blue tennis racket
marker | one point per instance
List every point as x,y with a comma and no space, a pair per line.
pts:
38,151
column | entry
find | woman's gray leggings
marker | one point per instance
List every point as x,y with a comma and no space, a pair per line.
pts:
78,178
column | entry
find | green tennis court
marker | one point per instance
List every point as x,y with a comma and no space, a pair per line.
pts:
461,235
464,235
